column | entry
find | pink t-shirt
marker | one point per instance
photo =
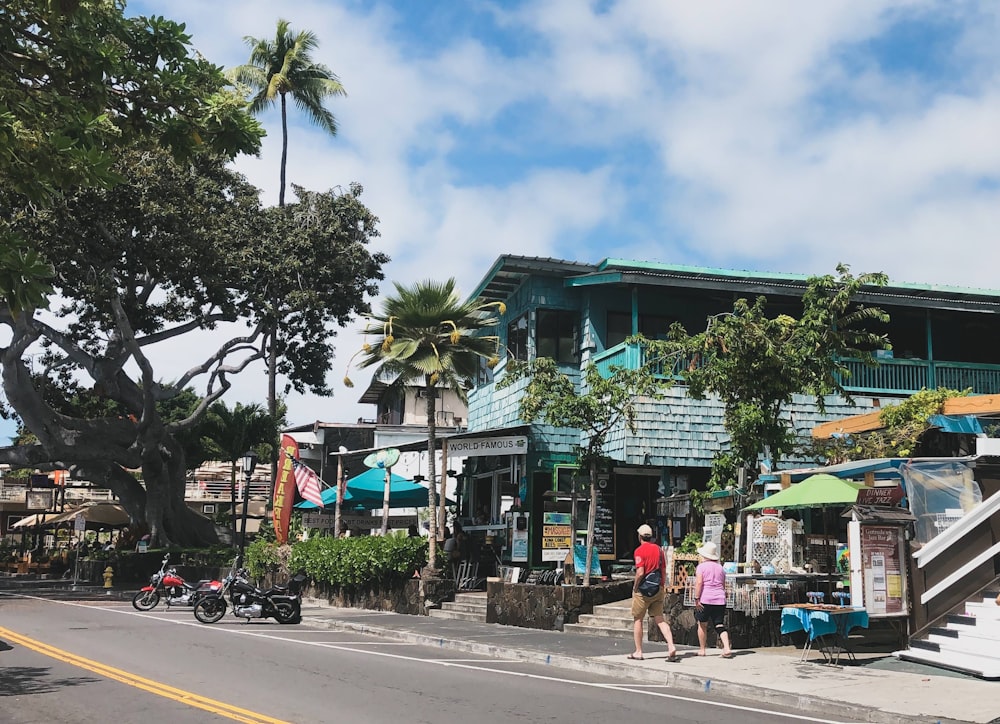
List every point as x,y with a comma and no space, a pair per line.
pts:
713,582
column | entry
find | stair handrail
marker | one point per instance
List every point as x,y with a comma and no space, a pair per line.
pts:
959,574
966,524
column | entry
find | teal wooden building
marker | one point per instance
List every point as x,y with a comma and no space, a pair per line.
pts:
580,313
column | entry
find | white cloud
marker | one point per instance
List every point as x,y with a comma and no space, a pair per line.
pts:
769,135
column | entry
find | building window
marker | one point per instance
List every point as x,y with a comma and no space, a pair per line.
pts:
208,508
517,338
555,336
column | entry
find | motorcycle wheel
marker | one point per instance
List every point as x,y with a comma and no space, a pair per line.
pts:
145,600
285,612
210,609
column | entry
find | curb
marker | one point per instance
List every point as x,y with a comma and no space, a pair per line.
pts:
678,680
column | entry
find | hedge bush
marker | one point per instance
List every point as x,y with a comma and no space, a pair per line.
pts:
358,561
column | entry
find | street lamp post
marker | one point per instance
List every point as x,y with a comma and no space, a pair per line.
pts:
249,463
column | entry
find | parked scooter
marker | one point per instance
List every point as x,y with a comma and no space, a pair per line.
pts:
174,590
282,603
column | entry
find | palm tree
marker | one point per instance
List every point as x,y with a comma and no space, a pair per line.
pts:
277,69
284,67
426,333
231,433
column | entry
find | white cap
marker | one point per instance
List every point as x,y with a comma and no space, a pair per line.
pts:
645,531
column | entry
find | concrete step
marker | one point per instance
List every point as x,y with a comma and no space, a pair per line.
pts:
963,641
593,631
474,597
456,615
987,611
982,666
476,608
594,621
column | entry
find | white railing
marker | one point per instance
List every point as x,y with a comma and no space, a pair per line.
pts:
960,574
218,490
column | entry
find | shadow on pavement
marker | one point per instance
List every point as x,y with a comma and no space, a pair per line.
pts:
25,680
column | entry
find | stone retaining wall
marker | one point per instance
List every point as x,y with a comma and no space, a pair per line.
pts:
400,597
531,605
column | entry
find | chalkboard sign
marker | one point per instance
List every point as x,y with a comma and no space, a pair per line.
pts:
604,523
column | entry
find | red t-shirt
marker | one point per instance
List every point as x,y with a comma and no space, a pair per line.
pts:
649,557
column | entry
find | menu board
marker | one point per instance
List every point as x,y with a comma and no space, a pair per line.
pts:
557,536
881,565
604,522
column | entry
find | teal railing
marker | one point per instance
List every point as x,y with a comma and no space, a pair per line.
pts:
890,376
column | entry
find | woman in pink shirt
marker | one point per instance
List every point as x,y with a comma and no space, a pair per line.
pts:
710,599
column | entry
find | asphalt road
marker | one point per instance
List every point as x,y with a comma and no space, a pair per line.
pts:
102,661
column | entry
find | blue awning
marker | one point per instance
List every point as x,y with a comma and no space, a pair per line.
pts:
964,424
884,469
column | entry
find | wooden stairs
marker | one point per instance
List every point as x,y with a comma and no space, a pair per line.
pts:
968,642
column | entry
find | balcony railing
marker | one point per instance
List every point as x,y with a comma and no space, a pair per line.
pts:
890,376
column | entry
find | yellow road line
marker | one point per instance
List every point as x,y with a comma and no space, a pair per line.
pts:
154,687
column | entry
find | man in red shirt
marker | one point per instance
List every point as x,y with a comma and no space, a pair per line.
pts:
649,557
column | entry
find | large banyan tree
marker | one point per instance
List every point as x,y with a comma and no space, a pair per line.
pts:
179,266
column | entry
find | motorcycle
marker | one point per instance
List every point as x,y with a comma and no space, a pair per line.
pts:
282,603
174,590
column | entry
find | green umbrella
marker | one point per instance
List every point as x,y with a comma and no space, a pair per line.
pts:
817,491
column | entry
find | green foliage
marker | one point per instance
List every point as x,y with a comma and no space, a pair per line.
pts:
426,333
600,406
284,67
692,541
903,427
359,561
756,363
81,79
263,557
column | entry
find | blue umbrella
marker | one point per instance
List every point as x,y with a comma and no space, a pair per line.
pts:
329,500
369,487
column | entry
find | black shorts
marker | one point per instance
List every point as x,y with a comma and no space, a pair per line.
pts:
714,613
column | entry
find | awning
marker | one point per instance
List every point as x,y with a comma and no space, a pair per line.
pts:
817,491
883,468
879,514
304,438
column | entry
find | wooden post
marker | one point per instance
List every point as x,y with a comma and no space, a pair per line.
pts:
340,495
786,481
870,479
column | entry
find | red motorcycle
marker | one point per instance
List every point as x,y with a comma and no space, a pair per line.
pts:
174,590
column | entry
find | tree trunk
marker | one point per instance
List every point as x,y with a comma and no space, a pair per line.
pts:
591,522
431,472
284,149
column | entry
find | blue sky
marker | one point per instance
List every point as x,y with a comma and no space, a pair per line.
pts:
773,136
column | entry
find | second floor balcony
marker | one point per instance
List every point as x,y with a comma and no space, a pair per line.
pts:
888,377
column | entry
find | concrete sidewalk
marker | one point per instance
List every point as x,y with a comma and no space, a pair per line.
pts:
878,688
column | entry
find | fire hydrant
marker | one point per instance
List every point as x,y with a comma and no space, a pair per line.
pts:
109,573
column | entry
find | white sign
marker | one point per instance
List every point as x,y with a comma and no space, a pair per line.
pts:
79,524
479,446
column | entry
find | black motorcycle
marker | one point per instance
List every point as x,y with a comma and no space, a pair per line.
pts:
282,603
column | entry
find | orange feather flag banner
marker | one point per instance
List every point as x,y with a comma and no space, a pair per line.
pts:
284,488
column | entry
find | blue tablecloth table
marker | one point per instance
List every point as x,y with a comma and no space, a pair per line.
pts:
830,624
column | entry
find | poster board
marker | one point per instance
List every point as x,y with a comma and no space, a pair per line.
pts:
878,571
557,536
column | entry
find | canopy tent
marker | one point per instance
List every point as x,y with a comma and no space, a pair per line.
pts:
817,491
96,515
330,500
403,493
365,491
33,520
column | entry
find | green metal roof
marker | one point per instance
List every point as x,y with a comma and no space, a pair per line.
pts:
509,271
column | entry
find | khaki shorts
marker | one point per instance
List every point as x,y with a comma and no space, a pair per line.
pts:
641,605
